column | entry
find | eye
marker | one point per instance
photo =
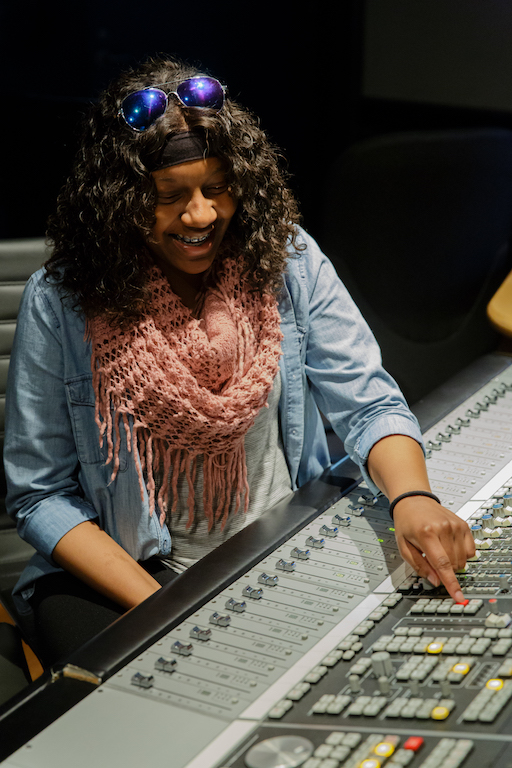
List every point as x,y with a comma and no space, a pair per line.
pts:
217,189
167,198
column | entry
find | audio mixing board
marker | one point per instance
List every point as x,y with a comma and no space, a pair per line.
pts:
325,651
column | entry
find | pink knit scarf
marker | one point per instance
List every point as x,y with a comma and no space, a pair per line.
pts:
191,387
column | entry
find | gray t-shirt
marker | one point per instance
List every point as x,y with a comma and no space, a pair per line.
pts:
269,482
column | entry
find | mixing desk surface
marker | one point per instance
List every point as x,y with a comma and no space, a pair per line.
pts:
316,647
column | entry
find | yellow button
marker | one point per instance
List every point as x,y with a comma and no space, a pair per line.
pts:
461,669
384,749
370,763
494,684
439,713
434,648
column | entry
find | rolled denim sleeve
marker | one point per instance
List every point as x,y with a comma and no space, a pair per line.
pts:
343,365
41,464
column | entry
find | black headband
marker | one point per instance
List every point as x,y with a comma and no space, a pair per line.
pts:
181,148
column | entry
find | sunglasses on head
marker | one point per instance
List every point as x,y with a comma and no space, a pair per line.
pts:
141,108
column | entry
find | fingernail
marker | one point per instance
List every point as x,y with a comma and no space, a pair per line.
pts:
459,597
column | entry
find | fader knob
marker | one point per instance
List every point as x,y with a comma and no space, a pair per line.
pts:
164,664
269,581
300,554
343,520
183,649
252,592
197,633
219,620
238,606
315,543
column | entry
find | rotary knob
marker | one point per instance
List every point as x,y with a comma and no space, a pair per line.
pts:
382,665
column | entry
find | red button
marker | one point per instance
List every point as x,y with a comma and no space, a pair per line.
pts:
463,602
413,743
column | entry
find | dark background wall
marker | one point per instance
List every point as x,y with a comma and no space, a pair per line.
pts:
319,79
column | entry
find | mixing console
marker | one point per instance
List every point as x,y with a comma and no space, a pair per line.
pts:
327,652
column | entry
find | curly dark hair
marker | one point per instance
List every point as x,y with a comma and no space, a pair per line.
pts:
105,211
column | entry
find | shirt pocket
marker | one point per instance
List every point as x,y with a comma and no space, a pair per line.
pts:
81,401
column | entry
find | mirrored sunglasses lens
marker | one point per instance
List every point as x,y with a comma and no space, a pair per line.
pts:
142,108
203,92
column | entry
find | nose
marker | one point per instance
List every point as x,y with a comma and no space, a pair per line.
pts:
200,211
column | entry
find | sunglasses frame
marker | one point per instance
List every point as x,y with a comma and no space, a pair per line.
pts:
158,88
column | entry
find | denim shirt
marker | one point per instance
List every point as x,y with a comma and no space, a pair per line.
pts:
55,467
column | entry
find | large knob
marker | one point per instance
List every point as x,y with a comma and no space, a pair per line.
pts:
382,665
477,532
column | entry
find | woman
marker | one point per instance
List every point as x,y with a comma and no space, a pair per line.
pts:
171,359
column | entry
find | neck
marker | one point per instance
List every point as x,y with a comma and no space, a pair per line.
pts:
186,286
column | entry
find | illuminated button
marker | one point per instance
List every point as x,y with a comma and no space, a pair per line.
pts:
439,713
495,684
370,763
414,743
384,749
461,669
434,647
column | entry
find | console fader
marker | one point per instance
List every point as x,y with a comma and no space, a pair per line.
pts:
328,652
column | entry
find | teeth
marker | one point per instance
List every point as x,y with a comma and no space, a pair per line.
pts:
192,240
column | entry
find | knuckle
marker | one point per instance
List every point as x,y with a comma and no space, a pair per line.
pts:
443,563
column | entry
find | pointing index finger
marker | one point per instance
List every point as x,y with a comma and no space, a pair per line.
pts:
441,564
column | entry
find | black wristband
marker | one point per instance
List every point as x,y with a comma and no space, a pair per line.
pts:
410,493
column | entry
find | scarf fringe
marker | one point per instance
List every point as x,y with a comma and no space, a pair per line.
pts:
176,396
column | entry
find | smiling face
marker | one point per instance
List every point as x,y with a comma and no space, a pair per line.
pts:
193,211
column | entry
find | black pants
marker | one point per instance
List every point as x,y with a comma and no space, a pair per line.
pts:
67,612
